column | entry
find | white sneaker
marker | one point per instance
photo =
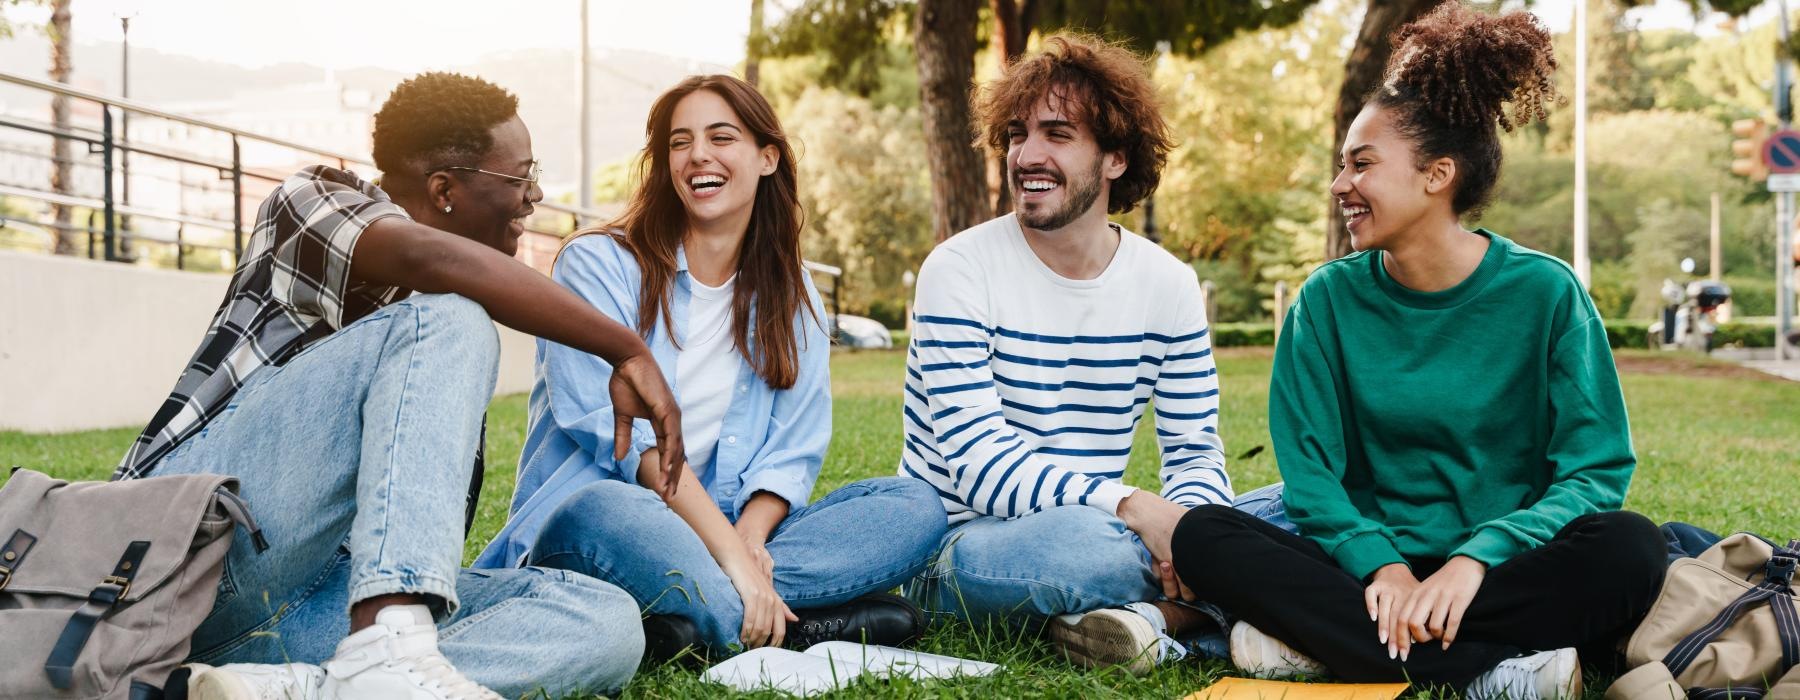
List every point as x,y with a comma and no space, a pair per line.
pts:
1133,637
1546,674
256,682
397,657
1262,655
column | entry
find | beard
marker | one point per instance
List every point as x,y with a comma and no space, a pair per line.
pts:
1079,196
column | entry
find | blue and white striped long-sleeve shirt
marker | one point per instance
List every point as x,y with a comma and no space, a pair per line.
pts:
1024,387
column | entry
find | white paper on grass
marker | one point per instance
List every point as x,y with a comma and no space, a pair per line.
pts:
829,666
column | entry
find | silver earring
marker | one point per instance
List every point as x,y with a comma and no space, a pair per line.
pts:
446,209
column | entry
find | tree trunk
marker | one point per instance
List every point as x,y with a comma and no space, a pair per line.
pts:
61,155
944,37
1362,72
1013,22
753,52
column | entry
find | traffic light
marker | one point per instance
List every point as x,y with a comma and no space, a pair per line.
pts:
1747,149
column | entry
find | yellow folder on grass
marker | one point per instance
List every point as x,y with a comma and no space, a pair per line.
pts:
1249,689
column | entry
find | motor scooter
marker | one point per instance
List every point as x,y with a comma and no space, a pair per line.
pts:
1690,317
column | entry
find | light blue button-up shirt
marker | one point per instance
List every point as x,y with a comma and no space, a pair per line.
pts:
770,440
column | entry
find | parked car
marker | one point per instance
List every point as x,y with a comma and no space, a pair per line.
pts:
860,332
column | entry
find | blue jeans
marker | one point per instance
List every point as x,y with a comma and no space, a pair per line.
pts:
355,457
1265,503
1068,559
866,537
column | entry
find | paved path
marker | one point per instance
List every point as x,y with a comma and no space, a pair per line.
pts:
1762,360
1789,370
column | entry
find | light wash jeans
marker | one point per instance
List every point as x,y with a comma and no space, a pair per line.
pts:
1265,503
1067,559
866,537
355,457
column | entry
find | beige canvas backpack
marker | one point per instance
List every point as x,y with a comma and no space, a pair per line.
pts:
103,583
1725,624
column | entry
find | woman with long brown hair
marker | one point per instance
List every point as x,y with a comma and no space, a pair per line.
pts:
706,264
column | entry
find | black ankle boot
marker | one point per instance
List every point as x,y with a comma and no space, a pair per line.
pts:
666,636
883,619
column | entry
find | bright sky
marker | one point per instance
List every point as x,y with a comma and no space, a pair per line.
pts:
412,35
1663,14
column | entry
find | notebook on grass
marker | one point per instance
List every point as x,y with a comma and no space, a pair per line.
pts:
1251,689
832,665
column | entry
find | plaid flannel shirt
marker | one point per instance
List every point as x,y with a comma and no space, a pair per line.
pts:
292,287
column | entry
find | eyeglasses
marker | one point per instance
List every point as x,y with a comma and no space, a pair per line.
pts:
537,173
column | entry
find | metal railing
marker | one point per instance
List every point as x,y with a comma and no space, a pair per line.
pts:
110,222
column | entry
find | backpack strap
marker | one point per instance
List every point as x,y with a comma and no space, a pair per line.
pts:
61,665
1741,693
12,554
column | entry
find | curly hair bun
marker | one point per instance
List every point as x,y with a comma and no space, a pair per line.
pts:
1465,66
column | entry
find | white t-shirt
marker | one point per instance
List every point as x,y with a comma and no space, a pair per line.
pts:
706,367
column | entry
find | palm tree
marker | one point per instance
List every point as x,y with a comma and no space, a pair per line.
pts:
60,155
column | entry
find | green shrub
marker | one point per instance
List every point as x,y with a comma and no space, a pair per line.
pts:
1627,333
1749,335
890,312
1632,333
1237,335
1612,289
1752,296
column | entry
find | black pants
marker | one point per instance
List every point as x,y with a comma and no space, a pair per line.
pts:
1586,588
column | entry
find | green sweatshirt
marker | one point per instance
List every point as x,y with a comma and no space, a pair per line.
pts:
1478,420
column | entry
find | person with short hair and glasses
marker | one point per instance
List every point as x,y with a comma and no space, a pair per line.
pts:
343,383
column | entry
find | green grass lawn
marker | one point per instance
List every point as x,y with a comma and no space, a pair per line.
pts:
1716,447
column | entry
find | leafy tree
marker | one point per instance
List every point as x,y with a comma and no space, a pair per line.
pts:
1242,188
1369,56
1657,247
946,37
865,191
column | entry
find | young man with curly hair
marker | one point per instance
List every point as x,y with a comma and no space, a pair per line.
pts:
1041,337
343,383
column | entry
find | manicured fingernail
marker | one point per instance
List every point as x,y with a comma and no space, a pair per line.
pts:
1384,639
1403,653
1446,646
1392,651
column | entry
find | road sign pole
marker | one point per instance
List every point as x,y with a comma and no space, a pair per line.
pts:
1784,275
1784,201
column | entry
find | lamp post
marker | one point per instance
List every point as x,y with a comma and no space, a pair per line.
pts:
125,246
1583,270
907,279
586,198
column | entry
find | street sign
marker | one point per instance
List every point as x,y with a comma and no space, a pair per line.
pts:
1782,152
1784,182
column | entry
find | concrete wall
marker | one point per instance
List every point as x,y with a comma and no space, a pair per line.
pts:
87,345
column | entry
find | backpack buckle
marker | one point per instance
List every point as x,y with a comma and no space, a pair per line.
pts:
124,583
1780,568
5,576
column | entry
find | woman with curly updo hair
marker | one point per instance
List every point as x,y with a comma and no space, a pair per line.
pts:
1445,413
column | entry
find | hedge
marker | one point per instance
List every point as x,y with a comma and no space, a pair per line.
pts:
1237,335
1619,334
1636,334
